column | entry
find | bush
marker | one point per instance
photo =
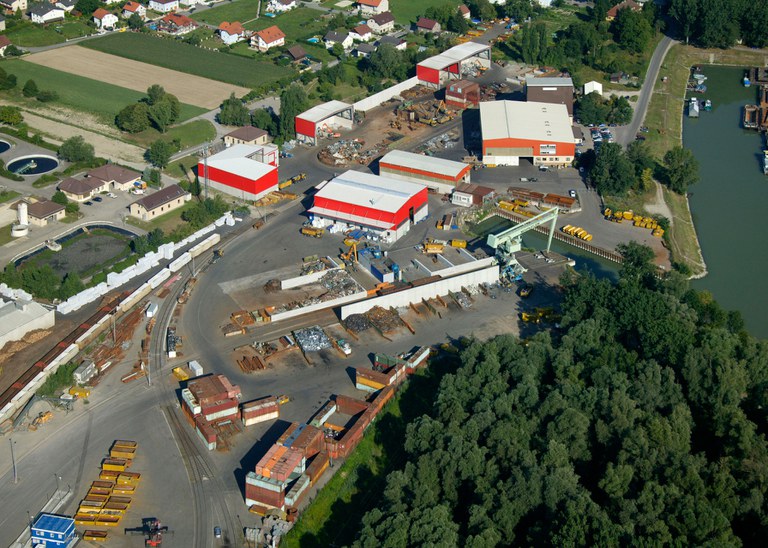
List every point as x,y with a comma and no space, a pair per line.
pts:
75,149
46,96
58,380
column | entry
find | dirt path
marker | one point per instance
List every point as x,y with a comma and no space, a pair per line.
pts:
190,89
659,206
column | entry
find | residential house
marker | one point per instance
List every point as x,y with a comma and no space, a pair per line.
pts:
2,23
4,43
372,7
297,53
104,19
80,190
158,203
464,11
231,33
134,7
66,5
163,6
364,50
382,23
176,24
45,13
398,43
13,6
110,2
246,135
612,13
42,212
190,3
333,37
281,6
114,177
270,37
427,25
361,33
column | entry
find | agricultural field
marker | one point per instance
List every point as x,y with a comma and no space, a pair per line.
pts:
239,10
178,56
30,35
138,76
101,99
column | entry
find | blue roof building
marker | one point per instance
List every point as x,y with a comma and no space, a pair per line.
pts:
53,531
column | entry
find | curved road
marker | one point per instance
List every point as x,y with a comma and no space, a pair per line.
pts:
646,91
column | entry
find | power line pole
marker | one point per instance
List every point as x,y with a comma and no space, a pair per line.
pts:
205,168
13,459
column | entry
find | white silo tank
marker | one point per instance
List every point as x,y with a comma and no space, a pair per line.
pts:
23,215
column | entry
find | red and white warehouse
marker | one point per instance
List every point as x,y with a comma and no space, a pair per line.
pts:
244,171
383,205
452,64
435,173
515,129
324,118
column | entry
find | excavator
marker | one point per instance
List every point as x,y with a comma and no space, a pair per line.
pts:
350,256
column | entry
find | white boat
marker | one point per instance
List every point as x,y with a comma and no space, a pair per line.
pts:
53,245
765,162
693,108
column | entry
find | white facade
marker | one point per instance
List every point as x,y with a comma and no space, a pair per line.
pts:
51,14
281,6
593,87
17,318
108,21
164,6
382,26
373,7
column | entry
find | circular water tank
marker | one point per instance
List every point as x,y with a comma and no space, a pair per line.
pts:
19,230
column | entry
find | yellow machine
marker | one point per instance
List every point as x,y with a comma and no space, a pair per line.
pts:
459,243
350,254
312,231
432,247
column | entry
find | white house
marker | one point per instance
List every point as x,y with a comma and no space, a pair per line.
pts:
364,50
382,23
110,2
66,5
372,7
361,33
163,6
397,43
45,13
231,33
332,37
270,37
13,6
281,6
2,22
104,19
134,7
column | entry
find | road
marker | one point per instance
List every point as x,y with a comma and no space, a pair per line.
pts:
646,92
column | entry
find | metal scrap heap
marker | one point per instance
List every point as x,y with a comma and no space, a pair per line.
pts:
357,323
384,320
312,339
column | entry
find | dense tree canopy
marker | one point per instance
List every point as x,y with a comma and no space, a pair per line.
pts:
233,112
613,174
638,423
720,23
681,169
75,149
293,101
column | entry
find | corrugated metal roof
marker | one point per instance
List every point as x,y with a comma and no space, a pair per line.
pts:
547,82
424,163
453,55
324,111
370,191
55,524
525,120
237,160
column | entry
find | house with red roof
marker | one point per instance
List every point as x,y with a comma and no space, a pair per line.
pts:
176,24
134,7
464,11
270,37
427,25
361,33
372,7
231,33
104,19
612,13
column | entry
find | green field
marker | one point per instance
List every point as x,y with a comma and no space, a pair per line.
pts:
189,134
408,11
30,35
298,24
239,10
83,94
8,195
176,55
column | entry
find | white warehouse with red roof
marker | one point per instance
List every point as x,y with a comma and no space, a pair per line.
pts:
244,171
383,205
435,173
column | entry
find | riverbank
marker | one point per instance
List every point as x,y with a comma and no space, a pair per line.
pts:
665,122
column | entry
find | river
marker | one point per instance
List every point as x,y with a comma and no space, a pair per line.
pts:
728,201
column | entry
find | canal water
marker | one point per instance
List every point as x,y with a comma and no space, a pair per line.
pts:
728,203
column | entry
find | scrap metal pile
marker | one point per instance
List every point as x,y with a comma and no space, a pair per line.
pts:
353,151
440,142
337,283
250,364
385,320
357,323
312,339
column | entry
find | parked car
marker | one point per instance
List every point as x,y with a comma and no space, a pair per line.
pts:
217,532
97,198
572,193
111,195
88,203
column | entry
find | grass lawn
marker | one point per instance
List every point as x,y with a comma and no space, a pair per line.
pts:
190,134
83,94
179,168
297,24
408,11
5,234
31,35
176,55
238,10
8,195
167,222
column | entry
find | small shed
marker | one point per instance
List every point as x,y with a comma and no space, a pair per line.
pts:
467,195
593,87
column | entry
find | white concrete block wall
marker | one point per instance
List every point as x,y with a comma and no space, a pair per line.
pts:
385,95
304,280
319,306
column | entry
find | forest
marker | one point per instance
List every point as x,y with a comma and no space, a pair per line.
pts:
640,421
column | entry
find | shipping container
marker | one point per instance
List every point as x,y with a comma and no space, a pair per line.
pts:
95,536
108,475
126,443
128,478
121,500
124,490
195,368
304,438
294,494
105,484
220,410
127,453
86,509
152,310
251,419
350,406
257,495
324,414
85,519
107,521
96,497
317,467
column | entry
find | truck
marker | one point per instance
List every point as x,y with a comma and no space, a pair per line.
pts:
344,346
312,231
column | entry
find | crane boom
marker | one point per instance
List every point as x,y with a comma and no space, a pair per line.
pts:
507,242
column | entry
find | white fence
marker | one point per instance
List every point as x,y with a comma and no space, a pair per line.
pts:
332,303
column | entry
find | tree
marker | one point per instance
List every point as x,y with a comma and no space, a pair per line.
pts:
612,174
60,198
161,115
482,9
293,101
620,111
135,21
686,13
264,119
75,149
30,89
754,25
47,95
72,208
632,31
384,62
592,109
718,25
456,23
518,10
337,50
87,6
681,169
159,153
72,285
13,51
233,112
7,81
10,115
134,118
155,93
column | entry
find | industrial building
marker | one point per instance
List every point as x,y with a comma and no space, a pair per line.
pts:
462,94
455,63
53,531
323,119
435,173
383,205
17,318
556,91
468,195
159,203
244,171
513,129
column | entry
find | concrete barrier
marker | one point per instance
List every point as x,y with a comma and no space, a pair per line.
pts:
385,95
319,306
304,280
